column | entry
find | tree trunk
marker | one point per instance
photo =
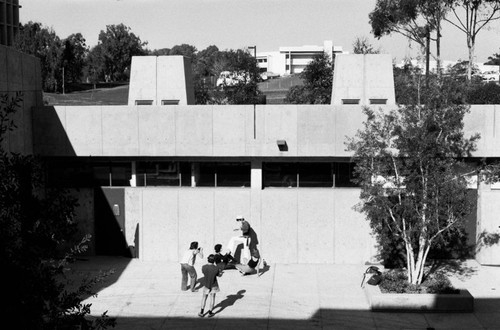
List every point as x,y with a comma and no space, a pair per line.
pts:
471,57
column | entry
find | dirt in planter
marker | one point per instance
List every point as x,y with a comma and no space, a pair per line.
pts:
396,281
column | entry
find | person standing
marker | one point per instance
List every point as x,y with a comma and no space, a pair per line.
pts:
187,266
210,285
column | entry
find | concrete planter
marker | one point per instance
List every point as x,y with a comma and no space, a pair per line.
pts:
427,302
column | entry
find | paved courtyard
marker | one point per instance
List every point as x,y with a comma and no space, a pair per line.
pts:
147,295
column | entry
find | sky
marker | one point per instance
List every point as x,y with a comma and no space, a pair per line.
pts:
234,24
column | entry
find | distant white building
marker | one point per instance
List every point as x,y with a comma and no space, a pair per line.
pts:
289,60
486,72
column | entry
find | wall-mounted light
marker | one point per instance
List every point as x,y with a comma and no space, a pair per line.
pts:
282,146
116,209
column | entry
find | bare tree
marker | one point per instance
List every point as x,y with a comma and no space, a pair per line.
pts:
471,17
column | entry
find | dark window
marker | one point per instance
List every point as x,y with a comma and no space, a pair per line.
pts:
169,102
102,175
143,102
206,175
350,101
344,175
315,175
279,174
378,101
158,174
233,175
121,174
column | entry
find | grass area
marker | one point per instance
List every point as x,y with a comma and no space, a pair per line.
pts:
275,89
100,96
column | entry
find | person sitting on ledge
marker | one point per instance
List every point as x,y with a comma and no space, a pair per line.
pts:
243,238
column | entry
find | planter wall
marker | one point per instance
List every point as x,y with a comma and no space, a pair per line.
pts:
428,302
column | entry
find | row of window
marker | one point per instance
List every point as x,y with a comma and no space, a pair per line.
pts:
198,174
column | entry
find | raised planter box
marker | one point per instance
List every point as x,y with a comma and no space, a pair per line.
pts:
427,302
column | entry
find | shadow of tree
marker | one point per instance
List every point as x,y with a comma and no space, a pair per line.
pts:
486,239
459,268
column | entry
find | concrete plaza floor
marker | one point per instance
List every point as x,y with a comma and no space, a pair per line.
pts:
147,295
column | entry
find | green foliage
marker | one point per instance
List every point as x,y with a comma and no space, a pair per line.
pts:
318,81
112,56
35,222
396,281
35,39
74,55
361,45
411,177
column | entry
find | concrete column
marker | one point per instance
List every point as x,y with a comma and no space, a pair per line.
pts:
133,176
488,225
255,199
195,174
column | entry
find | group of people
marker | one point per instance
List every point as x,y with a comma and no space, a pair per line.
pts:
217,262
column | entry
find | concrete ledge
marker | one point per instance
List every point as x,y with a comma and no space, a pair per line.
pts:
428,302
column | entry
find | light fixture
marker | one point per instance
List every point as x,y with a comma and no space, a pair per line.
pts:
282,146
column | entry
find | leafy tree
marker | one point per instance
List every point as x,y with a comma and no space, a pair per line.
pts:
244,89
114,50
362,46
35,39
160,52
318,81
35,222
185,50
415,19
74,55
471,16
411,176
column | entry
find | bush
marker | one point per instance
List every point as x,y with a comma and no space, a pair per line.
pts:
396,281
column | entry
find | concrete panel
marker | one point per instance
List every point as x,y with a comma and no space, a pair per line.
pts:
316,226
29,73
49,131
379,79
194,130
15,70
280,123
316,130
84,215
29,103
133,219
228,204
160,229
363,77
480,120
85,130
196,219
188,77
348,78
16,136
142,79
255,129
120,131
353,240
171,80
279,225
156,131
488,231
348,120
4,79
229,130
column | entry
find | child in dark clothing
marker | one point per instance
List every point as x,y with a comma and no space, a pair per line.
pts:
210,285
221,260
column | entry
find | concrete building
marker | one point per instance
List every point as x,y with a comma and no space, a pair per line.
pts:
289,60
9,21
151,179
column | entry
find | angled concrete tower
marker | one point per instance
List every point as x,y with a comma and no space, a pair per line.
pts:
161,80
363,79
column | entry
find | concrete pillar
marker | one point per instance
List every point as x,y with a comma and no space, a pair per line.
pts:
195,174
488,225
255,199
133,176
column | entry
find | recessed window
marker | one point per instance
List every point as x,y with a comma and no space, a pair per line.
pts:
378,101
143,102
169,102
350,101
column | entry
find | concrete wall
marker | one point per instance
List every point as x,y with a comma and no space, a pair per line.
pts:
292,226
224,131
20,73
488,225
158,78
363,77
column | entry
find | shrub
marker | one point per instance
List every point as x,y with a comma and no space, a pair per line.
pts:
396,281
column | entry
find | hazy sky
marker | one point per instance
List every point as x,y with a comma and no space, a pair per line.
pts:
267,24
